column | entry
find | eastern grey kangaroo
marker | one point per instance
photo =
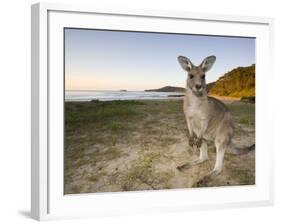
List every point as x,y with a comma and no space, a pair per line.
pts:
207,118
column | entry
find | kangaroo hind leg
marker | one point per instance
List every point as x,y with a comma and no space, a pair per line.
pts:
221,147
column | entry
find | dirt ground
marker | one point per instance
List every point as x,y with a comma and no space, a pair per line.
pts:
137,145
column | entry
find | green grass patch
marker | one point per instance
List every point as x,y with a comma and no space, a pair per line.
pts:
243,176
244,120
244,113
78,115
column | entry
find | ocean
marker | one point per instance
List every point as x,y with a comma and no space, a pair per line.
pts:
108,95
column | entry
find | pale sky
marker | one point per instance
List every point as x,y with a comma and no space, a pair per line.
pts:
114,60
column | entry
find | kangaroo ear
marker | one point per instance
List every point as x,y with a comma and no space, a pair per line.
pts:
207,63
185,63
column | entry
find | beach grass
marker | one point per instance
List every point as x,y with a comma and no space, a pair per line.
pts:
245,113
127,145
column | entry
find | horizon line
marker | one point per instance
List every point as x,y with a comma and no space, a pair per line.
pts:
155,88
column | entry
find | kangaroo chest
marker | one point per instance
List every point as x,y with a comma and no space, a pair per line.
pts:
196,113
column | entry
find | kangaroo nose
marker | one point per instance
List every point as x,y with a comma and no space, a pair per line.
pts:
198,86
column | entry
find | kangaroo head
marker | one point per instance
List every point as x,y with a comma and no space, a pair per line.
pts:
196,74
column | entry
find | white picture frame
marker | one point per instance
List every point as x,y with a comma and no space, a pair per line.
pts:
47,198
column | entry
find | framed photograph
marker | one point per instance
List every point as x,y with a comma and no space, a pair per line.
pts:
148,111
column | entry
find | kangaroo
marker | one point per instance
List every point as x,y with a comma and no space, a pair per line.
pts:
207,118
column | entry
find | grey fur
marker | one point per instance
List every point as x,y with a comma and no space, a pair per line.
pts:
207,118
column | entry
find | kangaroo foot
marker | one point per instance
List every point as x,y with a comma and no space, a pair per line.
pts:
190,164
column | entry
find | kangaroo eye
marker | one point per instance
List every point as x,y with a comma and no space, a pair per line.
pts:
203,76
191,76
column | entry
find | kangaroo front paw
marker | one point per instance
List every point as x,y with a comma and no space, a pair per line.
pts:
192,140
198,142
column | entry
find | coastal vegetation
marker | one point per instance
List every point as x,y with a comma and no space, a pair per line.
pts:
239,82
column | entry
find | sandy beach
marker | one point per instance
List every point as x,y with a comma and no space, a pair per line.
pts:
136,145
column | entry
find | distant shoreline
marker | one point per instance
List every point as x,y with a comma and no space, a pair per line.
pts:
224,99
109,95
95,100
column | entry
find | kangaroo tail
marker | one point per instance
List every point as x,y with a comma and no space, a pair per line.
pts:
240,151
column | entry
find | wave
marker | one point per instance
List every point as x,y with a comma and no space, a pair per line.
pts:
116,95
